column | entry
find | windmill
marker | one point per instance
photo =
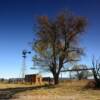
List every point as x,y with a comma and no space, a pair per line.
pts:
24,55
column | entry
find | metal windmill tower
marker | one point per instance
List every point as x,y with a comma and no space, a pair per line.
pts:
24,55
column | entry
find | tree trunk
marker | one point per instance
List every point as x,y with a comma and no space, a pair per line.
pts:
56,78
96,78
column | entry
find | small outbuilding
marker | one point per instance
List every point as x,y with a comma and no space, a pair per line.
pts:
47,79
33,78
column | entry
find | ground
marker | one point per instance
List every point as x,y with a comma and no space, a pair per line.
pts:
68,90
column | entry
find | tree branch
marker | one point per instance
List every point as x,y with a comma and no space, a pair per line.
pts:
70,60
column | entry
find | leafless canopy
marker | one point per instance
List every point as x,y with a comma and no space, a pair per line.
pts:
57,41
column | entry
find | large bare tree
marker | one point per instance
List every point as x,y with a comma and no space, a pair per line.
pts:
57,41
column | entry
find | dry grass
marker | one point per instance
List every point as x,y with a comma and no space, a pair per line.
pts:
6,85
68,90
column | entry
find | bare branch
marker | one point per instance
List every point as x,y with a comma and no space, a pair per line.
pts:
71,60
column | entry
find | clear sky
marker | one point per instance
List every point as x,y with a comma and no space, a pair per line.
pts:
17,18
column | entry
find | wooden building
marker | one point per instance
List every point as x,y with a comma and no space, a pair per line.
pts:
33,78
47,79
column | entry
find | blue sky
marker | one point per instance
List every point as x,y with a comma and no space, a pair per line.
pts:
17,18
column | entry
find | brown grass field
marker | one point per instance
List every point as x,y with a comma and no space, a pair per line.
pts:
67,90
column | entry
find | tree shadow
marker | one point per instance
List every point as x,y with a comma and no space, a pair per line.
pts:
8,93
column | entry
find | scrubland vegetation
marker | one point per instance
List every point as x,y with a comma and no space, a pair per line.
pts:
66,90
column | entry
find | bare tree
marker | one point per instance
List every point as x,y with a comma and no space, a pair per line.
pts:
80,74
57,41
96,71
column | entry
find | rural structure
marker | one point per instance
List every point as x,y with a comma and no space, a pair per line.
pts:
33,78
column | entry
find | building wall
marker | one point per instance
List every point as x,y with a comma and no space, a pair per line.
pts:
34,78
